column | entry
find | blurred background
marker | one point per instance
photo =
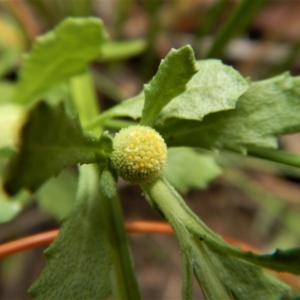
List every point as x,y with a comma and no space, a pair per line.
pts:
252,202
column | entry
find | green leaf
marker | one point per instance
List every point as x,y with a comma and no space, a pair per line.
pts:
281,260
51,141
269,108
11,118
58,55
130,108
10,208
121,50
222,271
58,194
187,169
170,81
6,91
214,88
79,261
90,257
245,280
108,182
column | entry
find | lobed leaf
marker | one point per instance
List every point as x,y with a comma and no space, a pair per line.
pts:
170,81
187,169
269,108
215,87
58,55
51,141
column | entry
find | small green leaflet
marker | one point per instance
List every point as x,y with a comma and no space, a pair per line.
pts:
170,81
269,108
108,182
79,261
187,169
58,55
51,141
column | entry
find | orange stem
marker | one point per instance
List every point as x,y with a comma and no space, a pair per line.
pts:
47,237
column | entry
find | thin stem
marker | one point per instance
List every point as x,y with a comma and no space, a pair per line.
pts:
277,156
210,19
117,123
236,23
189,231
47,237
126,286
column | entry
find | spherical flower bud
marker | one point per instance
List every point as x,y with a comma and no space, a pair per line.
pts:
139,154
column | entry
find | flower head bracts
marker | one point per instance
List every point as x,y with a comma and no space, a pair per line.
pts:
139,154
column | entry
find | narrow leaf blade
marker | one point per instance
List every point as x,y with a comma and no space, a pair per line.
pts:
173,74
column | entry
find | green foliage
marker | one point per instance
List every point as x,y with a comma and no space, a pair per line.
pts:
51,141
269,108
108,182
187,169
11,207
220,273
58,194
170,81
58,55
84,260
119,50
203,104
80,255
214,88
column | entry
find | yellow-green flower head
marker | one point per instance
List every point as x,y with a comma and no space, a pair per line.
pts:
139,154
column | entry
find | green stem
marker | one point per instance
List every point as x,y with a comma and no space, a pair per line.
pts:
162,196
187,284
126,286
210,19
117,123
277,156
237,22
189,230
84,98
